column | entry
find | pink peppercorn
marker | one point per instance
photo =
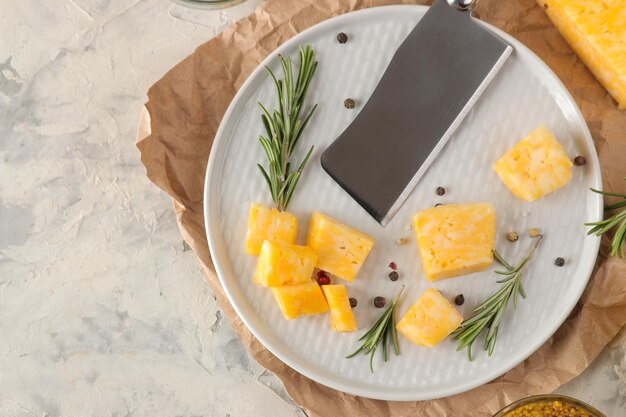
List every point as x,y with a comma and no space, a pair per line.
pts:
323,280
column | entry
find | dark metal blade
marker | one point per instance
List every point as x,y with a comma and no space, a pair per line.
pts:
434,78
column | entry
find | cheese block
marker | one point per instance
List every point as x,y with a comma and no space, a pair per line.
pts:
455,239
341,316
300,300
340,249
596,31
283,264
266,223
536,166
430,320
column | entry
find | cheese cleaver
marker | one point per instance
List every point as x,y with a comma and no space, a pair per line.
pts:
431,83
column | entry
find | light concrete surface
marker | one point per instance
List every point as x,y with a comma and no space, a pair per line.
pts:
103,311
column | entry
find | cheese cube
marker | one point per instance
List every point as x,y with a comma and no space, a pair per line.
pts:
300,300
430,320
455,239
596,31
341,316
266,223
536,166
340,249
282,264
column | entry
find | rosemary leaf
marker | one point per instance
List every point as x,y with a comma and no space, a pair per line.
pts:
394,333
607,193
488,315
383,330
618,221
284,126
385,342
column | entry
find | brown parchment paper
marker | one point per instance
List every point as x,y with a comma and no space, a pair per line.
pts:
185,107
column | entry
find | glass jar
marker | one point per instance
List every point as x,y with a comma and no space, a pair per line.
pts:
547,398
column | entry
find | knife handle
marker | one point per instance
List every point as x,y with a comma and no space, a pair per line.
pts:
463,5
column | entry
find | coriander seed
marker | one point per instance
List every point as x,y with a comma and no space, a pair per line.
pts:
459,300
349,103
353,302
512,236
379,302
342,37
402,241
559,261
393,275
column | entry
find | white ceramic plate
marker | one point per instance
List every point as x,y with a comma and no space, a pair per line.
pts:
523,95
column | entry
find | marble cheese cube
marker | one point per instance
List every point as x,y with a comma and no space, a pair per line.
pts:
596,31
300,300
340,249
341,316
283,264
266,223
430,320
455,239
536,166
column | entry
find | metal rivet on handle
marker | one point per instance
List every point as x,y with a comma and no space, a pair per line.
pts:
463,5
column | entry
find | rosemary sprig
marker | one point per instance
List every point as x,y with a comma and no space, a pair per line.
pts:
618,220
284,127
488,315
384,330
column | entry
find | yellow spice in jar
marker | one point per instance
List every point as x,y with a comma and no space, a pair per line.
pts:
548,409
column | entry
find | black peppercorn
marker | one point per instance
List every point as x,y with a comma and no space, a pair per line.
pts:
349,103
342,37
438,204
440,191
380,302
353,302
459,300
393,275
559,261
579,160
